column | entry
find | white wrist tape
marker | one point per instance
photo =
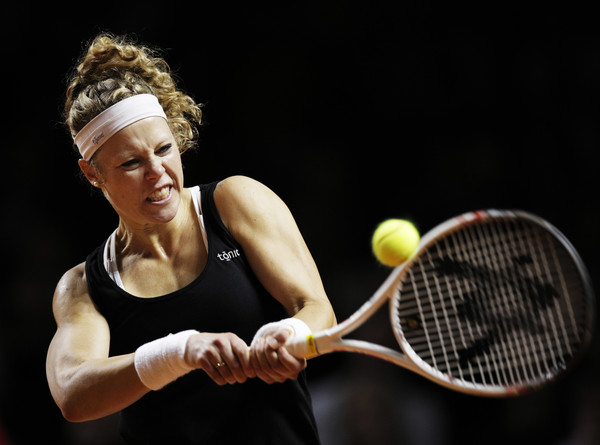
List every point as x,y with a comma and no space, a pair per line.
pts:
296,327
161,361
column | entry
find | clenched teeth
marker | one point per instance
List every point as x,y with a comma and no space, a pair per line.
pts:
159,195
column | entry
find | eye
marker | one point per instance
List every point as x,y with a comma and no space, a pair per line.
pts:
132,163
164,149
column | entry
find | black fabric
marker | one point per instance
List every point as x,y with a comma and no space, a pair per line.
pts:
226,297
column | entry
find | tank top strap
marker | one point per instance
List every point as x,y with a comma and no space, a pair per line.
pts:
110,261
197,199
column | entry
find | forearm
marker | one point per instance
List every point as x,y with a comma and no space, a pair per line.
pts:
317,314
96,388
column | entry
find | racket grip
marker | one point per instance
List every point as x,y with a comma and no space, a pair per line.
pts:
302,346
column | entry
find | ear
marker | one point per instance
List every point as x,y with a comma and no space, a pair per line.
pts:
90,173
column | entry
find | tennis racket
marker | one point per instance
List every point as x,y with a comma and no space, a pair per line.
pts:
492,303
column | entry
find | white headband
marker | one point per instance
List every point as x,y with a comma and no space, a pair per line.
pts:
115,118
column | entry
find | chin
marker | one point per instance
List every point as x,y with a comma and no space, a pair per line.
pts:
162,214
165,215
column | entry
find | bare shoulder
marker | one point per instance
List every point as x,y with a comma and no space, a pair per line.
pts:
242,189
243,201
71,295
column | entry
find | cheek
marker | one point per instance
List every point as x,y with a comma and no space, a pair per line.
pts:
175,169
119,192
115,198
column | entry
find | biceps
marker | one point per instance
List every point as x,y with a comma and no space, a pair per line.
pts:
264,226
74,343
284,265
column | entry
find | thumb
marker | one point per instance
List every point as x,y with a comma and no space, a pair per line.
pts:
278,339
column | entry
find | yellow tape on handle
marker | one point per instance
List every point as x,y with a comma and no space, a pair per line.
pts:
312,346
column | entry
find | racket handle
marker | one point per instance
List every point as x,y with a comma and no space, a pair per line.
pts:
302,346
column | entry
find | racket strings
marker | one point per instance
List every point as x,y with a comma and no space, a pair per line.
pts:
492,304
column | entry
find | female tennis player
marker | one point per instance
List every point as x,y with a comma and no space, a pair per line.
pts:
178,319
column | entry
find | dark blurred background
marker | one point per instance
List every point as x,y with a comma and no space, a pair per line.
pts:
353,113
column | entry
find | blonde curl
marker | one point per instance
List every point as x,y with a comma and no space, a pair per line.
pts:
114,68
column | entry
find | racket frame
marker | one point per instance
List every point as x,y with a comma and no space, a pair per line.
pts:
330,340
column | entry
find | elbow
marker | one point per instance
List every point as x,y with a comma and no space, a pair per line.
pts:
332,319
72,411
328,314
71,416
72,403
67,403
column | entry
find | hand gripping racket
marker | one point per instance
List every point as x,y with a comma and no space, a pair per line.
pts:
493,303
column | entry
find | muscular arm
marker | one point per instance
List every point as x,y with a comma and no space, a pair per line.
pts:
266,229
85,383
277,253
88,384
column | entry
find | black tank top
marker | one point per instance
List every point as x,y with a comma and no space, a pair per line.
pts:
226,297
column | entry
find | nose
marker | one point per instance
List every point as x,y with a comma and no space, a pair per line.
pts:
154,169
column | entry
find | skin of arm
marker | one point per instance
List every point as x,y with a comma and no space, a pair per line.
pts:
85,383
260,221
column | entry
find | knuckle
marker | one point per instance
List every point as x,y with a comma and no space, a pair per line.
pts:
217,342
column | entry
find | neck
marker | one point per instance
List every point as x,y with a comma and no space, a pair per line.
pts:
158,240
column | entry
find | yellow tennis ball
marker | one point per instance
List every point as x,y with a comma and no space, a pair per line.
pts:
394,241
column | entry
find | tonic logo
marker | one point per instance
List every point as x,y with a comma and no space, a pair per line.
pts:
228,256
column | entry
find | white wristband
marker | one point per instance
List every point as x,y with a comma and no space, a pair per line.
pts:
296,327
161,361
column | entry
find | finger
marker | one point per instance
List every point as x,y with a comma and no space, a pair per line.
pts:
227,368
287,366
261,364
213,372
292,363
212,362
282,336
241,352
263,375
230,367
276,368
237,359
224,368
204,351
258,362
254,363
272,357
243,356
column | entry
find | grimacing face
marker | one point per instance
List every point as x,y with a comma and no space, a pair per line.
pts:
139,170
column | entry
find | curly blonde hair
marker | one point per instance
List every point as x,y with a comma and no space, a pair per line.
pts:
114,68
